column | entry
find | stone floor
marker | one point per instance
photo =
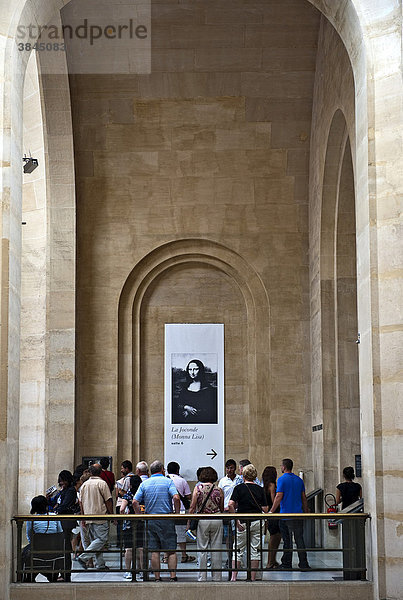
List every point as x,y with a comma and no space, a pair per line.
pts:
317,560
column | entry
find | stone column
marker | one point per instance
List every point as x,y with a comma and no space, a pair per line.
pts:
382,429
10,223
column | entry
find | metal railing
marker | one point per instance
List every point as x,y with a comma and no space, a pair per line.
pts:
352,564
313,532
352,537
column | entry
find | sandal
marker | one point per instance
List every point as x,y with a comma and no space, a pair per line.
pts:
188,558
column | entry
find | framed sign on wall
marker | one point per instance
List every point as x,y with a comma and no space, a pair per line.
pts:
194,396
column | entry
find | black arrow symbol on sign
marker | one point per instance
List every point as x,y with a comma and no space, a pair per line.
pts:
213,454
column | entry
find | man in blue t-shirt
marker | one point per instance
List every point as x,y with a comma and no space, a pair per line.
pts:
292,499
157,494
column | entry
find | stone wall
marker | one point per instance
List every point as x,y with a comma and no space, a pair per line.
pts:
335,396
377,87
371,33
334,122
213,145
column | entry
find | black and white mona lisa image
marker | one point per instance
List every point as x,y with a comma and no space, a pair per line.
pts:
194,388
194,395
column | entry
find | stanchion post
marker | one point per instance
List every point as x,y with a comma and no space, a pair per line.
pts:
19,551
360,547
248,554
146,575
230,542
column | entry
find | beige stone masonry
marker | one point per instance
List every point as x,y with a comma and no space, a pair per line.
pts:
278,591
253,178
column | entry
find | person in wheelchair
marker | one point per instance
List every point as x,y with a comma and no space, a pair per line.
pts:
39,506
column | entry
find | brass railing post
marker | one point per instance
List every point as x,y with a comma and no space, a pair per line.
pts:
248,553
19,550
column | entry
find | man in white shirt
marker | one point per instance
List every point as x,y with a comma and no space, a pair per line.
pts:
229,481
126,470
227,484
95,499
184,493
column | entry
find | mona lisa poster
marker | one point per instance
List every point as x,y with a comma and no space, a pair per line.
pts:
194,396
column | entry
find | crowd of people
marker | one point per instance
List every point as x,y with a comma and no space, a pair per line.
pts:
151,490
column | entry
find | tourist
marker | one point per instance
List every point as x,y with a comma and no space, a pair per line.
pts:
269,478
185,496
66,503
122,486
348,492
157,494
242,464
95,499
39,506
291,498
107,475
129,526
227,484
248,497
208,499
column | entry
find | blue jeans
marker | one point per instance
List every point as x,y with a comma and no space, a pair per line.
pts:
287,529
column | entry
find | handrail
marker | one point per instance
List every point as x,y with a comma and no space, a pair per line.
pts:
314,493
353,508
353,559
185,517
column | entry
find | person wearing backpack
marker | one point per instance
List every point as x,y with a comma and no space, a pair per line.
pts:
207,498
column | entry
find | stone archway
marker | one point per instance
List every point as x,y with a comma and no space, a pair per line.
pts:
339,329
188,253
52,267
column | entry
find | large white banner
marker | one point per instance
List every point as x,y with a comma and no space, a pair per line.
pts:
194,396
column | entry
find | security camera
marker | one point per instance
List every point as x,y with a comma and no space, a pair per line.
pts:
30,164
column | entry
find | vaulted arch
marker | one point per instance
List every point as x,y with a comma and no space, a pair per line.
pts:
339,326
188,253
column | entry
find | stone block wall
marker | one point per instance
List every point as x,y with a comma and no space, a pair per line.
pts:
212,145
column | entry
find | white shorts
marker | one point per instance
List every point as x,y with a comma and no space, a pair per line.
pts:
254,541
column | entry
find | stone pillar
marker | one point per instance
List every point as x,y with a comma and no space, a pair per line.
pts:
10,224
33,301
57,429
382,428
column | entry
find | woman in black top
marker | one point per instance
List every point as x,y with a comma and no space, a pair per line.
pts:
66,504
248,497
269,479
348,492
